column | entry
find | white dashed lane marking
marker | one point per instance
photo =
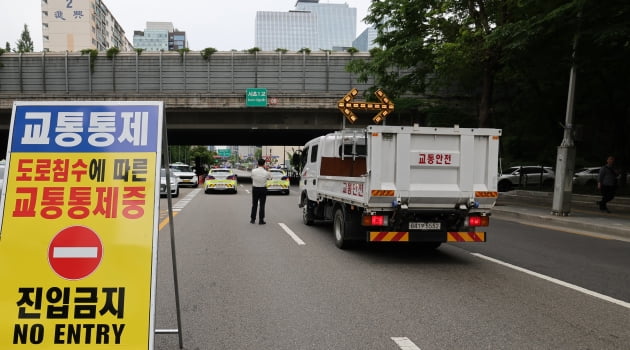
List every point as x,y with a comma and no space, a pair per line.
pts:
405,343
184,201
295,237
556,281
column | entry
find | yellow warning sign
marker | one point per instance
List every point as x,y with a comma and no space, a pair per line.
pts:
79,225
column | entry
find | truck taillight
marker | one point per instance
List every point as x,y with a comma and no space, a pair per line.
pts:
375,220
478,221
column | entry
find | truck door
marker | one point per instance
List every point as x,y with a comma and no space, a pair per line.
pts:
310,171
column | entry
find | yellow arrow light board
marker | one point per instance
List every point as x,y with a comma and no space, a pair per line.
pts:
346,105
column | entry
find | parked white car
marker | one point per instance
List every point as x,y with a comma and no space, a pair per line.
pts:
586,177
174,184
185,173
521,176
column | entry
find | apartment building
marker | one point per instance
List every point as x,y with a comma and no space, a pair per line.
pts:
80,24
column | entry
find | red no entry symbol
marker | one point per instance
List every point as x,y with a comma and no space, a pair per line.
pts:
75,252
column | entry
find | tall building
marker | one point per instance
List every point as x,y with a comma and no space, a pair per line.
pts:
80,24
154,37
311,25
291,30
159,36
177,40
365,40
336,23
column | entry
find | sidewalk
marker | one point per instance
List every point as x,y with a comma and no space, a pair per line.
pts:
535,207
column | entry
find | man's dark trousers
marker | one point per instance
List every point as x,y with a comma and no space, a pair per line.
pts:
259,194
608,193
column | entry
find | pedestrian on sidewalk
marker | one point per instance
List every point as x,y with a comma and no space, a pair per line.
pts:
259,192
607,183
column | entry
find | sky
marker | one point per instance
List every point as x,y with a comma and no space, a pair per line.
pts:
222,24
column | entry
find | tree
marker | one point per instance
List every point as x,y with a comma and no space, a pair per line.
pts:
7,47
533,80
295,159
207,52
179,153
25,44
440,46
510,61
202,157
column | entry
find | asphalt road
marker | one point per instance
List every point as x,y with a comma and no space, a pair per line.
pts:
285,285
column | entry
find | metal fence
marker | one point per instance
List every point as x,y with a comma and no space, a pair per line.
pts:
222,72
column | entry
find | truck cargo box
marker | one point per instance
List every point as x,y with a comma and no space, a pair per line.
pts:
410,183
422,167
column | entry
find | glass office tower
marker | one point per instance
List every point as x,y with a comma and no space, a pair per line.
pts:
311,25
336,23
160,36
365,40
292,30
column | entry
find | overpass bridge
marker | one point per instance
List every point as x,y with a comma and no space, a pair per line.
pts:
204,99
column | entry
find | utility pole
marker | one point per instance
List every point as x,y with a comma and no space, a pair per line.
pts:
565,160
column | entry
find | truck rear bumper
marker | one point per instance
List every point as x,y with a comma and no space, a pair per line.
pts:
393,236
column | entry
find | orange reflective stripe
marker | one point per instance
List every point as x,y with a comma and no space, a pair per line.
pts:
389,236
383,193
466,236
400,236
377,236
478,236
486,194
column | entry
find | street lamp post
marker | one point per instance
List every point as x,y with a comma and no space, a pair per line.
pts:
565,161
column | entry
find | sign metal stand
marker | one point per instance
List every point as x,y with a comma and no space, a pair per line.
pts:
165,158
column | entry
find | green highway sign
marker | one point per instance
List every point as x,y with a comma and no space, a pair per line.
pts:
224,152
256,97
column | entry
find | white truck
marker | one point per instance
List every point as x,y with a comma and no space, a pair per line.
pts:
401,183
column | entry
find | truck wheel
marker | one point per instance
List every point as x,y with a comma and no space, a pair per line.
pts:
342,227
307,213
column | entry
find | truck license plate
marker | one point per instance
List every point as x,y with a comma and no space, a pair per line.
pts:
424,225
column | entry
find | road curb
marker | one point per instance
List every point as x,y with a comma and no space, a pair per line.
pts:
601,225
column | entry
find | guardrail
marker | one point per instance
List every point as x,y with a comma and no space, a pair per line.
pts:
222,72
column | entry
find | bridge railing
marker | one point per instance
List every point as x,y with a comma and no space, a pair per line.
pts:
223,72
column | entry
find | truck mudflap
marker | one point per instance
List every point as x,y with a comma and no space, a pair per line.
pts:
394,236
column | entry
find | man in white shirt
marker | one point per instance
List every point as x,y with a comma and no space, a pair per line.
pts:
259,192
